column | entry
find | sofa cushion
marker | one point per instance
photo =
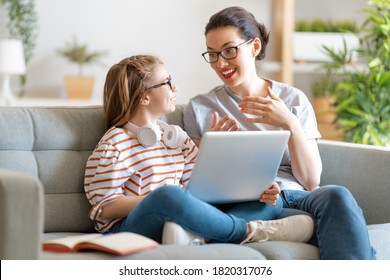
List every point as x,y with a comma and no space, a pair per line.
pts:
361,169
380,240
169,252
217,251
53,144
281,250
284,250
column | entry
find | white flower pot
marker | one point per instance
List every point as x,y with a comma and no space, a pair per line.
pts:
308,46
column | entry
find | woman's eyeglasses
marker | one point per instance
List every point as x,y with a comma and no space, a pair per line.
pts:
169,83
228,53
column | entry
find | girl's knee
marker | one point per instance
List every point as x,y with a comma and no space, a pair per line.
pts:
167,191
168,195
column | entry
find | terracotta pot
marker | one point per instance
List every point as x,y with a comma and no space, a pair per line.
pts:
323,108
79,87
330,132
326,115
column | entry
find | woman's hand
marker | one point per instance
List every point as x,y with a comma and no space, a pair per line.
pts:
305,158
271,110
271,195
223,124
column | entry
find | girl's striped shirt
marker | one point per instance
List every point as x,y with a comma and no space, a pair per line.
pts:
120,166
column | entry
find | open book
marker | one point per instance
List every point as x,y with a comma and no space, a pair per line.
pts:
122,243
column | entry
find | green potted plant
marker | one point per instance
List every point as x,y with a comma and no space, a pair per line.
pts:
311,35
322,91
323,100
79,86
22,24
363,95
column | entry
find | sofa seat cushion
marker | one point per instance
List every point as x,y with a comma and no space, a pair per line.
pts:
380,240
281,250
285,250
217,251
168,252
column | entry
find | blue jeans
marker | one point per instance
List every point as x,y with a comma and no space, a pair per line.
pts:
222,223
341,229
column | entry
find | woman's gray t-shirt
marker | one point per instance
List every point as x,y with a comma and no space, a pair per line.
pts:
198,115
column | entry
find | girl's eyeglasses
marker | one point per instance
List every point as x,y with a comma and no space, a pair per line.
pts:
169,83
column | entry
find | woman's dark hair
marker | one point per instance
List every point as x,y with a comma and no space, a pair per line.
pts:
125,85
244,21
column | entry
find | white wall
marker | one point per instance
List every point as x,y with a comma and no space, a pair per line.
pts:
170,29
330,9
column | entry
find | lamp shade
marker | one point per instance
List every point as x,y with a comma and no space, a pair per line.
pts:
11,57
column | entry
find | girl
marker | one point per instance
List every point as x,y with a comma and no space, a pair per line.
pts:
235,41
135,178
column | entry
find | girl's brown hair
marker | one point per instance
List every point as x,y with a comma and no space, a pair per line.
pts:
125,85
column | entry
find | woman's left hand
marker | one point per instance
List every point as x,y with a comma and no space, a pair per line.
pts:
305,158
271,110
271,195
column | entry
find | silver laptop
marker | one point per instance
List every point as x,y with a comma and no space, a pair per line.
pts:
237,166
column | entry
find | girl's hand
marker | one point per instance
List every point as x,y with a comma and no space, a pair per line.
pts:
271,110
271,195
224,124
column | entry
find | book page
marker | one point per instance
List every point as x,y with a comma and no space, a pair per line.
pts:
69,241
119,243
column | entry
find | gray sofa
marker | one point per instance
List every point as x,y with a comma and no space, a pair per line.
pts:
42,158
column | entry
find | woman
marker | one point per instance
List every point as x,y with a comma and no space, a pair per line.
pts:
135,178
245,101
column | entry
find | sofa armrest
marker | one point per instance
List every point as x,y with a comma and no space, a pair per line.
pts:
364,170
21,215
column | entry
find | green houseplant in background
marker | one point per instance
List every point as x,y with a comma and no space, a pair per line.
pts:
321,25
79,86
22,24
363,95
79,54
310,35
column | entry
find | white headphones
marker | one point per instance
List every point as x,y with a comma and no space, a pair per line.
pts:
149,134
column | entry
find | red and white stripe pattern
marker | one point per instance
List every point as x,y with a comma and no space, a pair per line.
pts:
120,166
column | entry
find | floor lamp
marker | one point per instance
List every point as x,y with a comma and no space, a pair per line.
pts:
11,63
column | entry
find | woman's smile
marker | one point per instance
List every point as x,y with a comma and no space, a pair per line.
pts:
228,73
